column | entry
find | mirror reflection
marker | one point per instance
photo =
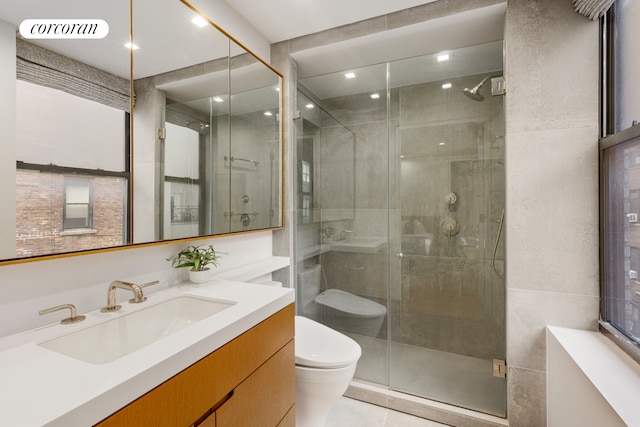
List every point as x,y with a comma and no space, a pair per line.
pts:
326,151
254,159
200,154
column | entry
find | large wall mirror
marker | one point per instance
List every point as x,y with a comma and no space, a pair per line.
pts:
197,153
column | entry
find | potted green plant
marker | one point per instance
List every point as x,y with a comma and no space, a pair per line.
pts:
197,258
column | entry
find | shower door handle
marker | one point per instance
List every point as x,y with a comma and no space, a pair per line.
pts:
399,255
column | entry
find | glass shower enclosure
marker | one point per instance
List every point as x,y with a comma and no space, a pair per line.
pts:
400,221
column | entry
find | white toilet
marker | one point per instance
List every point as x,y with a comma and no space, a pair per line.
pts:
351,313
325,363
336,308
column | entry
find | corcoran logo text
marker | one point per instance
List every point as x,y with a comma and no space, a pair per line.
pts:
64,29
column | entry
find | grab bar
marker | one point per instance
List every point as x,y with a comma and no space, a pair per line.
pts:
240,159
226,214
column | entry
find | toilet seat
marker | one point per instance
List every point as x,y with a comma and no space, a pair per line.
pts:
350,303
317,346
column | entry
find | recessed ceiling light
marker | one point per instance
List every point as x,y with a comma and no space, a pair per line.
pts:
199,21
309,105
443,57
218,99
350,75
268,113
375,95
133,46
446,86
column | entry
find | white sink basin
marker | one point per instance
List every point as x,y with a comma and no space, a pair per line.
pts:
110,340
360,244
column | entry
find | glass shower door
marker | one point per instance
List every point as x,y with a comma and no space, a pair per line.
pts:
448,324
400,207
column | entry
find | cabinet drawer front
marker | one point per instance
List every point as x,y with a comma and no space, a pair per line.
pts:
265,398
187,396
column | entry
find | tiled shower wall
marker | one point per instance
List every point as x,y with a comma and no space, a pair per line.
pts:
551,110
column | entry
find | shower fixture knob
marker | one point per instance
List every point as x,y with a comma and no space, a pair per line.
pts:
450,227
451,198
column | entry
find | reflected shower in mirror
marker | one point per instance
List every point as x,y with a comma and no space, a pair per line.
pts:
254,160
214,130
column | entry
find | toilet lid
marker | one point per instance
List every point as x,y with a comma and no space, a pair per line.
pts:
350,303
318,346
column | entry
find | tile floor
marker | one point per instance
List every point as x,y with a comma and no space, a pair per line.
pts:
354,413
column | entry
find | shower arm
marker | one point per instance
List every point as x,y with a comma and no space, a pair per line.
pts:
479,85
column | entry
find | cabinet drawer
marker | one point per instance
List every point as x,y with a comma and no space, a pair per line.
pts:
186,397
265,398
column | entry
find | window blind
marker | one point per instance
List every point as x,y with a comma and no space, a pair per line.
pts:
41,66
592,9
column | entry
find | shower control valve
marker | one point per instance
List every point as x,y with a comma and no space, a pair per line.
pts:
450,198
450,227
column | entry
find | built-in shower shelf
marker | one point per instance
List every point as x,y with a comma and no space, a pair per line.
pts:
254,269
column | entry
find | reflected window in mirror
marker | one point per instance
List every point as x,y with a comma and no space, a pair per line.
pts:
72,175
78,204
182,177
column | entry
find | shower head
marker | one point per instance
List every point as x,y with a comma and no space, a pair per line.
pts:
473,93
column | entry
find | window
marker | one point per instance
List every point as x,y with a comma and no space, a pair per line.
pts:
621,238
625,33
307,198
78,203
184,171
620,177
72,172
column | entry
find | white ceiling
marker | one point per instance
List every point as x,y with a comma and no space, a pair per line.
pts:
171,41
165,26
280,20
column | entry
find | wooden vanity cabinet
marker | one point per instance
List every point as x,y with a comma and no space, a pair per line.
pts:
249,381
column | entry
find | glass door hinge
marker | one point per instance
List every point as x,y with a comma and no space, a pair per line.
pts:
499,368
162,133
498,86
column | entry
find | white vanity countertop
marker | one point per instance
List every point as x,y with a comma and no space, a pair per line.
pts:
39,387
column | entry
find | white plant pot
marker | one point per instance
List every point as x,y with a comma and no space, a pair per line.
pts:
199,276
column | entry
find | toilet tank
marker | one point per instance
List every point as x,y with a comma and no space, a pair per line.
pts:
309,280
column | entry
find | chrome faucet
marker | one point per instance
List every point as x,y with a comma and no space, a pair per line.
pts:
138,297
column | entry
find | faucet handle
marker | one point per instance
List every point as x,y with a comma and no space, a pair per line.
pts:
73,318
144,285
138,298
